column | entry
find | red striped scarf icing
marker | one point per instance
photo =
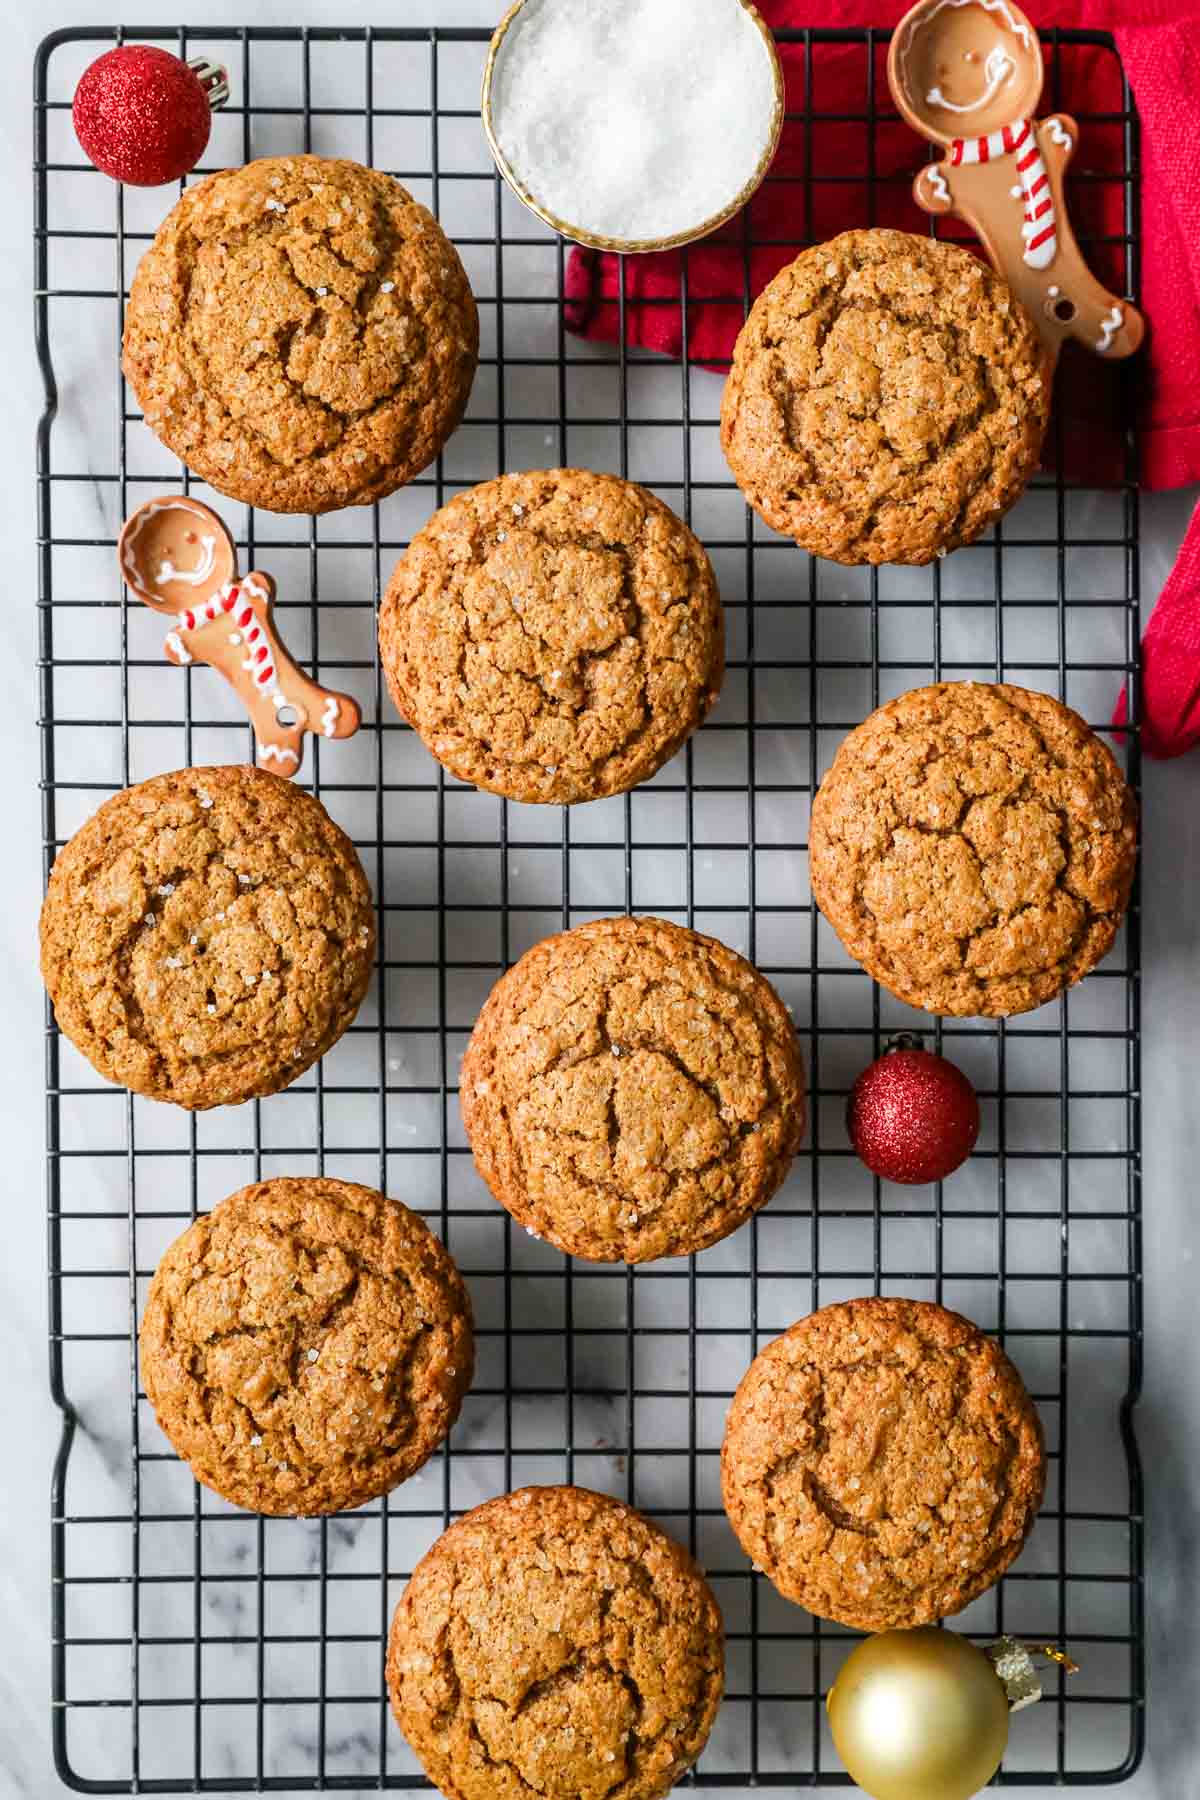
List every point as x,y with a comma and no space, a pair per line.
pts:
1039,229
260,663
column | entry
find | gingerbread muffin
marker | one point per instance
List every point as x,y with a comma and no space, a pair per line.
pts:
883,1463
887,399
555,1642
207,936
633,1090
973,846
553,636
306,1345
301,333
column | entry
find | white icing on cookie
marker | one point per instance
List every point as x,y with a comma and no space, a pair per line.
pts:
129,562
1110,324
998,68
190,577
922,21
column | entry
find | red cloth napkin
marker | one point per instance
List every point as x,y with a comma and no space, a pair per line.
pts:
1170,722
1159,45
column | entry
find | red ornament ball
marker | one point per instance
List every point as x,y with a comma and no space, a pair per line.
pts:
142,115
912,1116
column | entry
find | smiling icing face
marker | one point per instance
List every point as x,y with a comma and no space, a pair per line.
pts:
999,69
970,67
174,553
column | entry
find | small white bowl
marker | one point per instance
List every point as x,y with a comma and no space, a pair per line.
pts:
578,232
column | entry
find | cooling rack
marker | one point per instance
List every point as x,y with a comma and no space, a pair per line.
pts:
196,1648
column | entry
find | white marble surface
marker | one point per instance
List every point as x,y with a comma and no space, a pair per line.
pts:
1168,1420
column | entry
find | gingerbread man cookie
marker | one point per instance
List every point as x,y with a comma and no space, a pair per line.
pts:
968,75
177,556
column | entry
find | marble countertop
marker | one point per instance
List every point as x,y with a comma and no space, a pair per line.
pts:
1168,1420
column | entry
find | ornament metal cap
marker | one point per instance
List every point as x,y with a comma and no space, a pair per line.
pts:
213,78
1013,1663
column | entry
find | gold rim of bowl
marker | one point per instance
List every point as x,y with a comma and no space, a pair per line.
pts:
593,240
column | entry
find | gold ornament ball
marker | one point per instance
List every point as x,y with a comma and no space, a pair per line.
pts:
919,1715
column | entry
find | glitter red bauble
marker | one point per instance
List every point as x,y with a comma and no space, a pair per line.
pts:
912,1116
141,115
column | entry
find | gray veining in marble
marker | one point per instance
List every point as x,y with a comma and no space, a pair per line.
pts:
1168,1420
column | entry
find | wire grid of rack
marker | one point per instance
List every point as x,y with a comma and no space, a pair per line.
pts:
198,1648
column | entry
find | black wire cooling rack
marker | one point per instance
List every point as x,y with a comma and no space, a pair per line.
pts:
198,1648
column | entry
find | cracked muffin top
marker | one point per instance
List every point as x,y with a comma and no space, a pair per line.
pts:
973,846
887,399
555,1642
306,1345
553,636
632,1090
207,936
301,333
883,1463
